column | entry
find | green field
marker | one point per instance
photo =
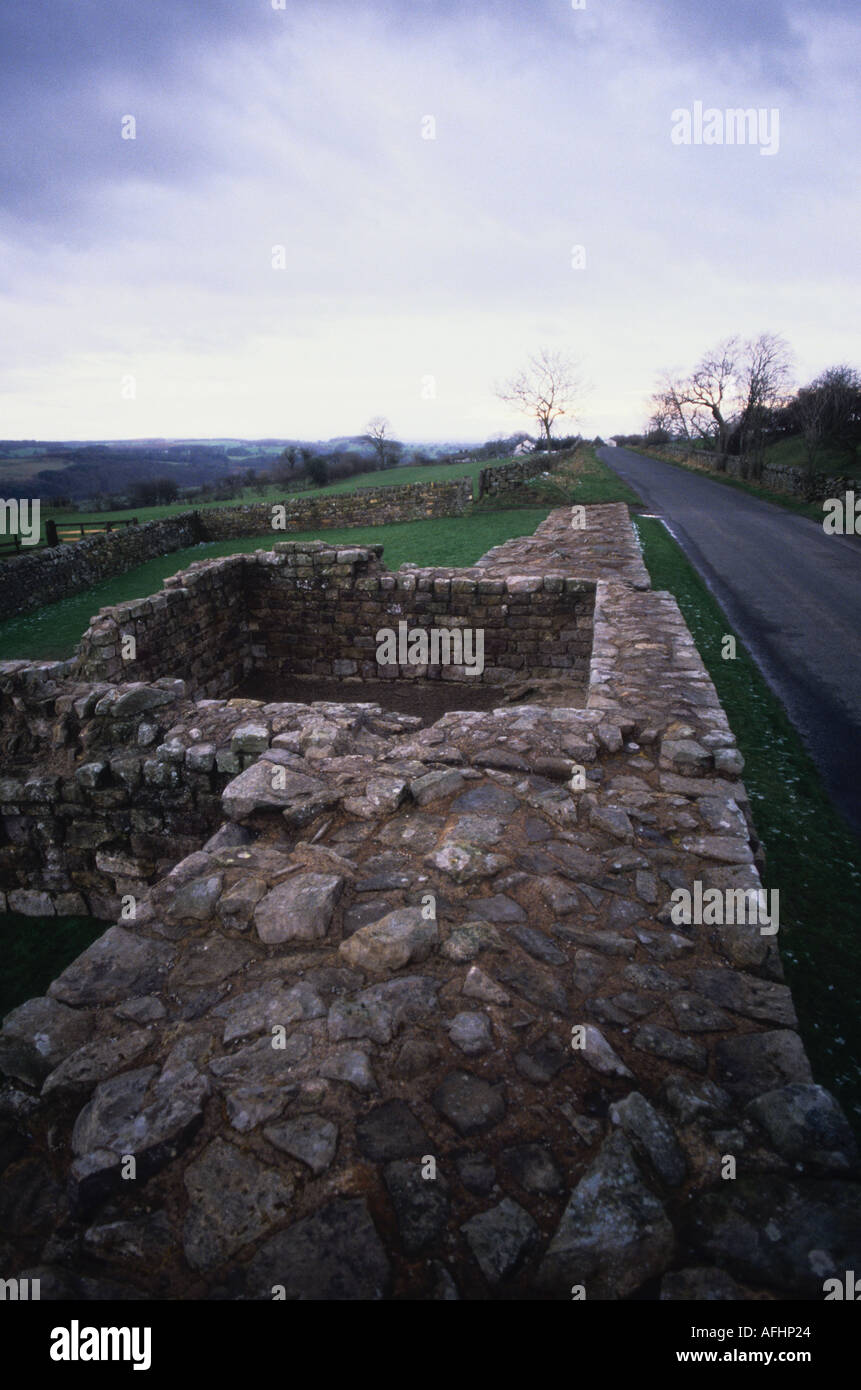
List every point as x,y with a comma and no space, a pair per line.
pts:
35,951
275,492
22,466
812,857
52,632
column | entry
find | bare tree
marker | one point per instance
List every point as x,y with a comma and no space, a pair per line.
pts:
708,392
668,407
548,387
763,387
378,435
730,398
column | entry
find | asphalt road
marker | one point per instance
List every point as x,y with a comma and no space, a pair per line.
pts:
790,592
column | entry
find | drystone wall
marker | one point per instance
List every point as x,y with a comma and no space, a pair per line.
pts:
196,629
365,507
328,625
416,1019
309,609
30,580
509,477
795,482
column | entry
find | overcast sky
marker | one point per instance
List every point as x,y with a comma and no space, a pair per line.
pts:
138,291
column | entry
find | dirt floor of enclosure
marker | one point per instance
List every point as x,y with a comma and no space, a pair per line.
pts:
429,700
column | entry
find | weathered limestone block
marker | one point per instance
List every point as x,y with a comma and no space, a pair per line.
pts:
38,1035
399,938
301,908
267,785
614,1234
118,964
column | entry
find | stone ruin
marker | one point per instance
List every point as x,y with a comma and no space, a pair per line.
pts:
393,1011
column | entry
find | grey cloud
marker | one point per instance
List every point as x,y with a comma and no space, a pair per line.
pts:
59,62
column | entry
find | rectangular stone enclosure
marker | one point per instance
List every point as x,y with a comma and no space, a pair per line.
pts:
305,609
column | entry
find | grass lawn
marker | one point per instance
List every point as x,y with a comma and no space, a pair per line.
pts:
36,950
52,632
812,856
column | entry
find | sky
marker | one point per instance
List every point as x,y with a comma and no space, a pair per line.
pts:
331,211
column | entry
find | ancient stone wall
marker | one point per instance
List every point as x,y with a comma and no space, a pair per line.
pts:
309,609
100,769
95,796
125,788
319,614
195,630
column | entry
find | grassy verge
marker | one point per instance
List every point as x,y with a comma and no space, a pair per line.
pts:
36,950
812,856
52,632
577,477
813,510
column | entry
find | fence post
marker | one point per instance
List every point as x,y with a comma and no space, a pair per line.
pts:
51,537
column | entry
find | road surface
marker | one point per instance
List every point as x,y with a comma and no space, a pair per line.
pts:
793,595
